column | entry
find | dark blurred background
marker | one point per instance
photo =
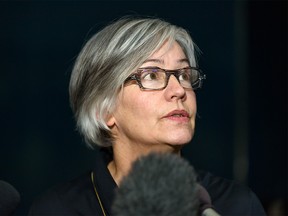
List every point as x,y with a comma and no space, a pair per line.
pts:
242,126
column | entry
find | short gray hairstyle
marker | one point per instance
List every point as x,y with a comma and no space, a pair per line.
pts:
104,63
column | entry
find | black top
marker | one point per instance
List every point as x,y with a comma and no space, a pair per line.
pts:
77,197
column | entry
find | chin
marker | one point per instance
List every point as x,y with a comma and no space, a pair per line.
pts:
183,140
181,137
179,143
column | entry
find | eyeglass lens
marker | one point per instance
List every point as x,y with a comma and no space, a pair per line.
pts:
155,78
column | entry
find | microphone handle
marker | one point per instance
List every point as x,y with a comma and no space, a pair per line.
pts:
209,212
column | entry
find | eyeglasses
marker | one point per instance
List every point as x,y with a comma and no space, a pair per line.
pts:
156,78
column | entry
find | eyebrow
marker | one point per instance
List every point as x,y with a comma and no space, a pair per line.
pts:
162,61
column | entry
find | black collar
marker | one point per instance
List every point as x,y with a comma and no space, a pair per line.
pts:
103,180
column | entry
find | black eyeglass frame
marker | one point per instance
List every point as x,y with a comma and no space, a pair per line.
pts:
196,85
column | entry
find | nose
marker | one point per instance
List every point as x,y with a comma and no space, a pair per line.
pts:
174,89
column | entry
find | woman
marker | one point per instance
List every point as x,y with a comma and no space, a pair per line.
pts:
132,90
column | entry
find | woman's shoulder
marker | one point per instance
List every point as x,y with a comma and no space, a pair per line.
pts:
66,199
230,197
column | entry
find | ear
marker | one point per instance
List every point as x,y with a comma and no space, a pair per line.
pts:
110,120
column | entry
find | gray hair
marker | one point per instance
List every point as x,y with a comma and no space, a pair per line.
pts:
104,63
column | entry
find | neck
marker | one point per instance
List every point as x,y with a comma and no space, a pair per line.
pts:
123,157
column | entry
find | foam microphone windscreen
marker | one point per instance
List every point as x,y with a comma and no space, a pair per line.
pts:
158,184
9,199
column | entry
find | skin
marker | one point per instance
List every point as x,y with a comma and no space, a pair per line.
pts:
143,121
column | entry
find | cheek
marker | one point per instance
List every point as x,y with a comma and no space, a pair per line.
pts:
133,105
132,116
194,104
142,107
191,102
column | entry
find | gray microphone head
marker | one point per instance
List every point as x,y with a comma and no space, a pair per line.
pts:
9,199
158,184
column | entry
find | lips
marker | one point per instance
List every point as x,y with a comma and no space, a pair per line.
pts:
178,115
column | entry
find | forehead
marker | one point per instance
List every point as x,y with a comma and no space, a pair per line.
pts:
167,48
168,53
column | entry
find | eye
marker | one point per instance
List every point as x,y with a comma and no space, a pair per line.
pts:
189,75
150,74
185,76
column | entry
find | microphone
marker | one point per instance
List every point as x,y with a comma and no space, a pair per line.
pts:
158,185
206,207
9,199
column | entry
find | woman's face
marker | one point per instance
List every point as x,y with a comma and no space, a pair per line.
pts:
158,117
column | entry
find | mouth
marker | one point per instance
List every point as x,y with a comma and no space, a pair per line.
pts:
178,115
